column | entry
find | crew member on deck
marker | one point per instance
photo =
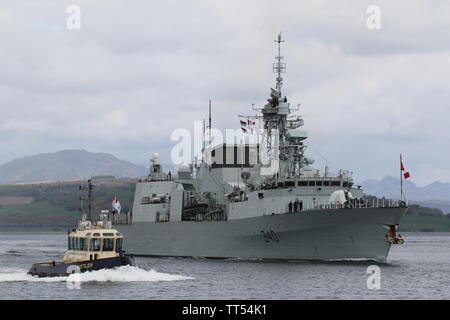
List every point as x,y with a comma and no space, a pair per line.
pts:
296,205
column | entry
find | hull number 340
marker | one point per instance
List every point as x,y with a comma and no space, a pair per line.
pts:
270,236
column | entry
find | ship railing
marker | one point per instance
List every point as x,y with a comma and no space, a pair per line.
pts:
355,204
93,224
121,218
211,216
116,218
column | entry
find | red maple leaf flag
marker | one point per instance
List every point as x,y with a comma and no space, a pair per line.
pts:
406,173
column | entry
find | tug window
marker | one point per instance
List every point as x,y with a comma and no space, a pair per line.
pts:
108,244
84,244
77,244
119,242
95,244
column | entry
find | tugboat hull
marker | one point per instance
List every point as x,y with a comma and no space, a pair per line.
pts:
59,269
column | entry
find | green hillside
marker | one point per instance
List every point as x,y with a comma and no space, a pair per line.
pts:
55,206
424,223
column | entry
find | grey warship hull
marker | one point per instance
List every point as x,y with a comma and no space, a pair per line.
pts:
334,234
260,199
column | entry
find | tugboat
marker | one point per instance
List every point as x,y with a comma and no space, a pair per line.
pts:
93,245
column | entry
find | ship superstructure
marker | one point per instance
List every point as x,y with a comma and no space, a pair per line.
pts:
259,201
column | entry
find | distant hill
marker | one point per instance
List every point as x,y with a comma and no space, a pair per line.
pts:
434,195
54,205
65,165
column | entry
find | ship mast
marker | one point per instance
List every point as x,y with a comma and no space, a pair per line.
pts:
284,148
279,67
88,198
283,143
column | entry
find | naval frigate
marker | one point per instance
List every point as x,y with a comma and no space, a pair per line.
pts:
232,204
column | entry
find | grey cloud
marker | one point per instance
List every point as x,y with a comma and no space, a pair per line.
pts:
136,71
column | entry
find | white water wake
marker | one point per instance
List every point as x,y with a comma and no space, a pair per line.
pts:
120,274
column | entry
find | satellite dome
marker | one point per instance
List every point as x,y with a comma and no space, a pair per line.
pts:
184,168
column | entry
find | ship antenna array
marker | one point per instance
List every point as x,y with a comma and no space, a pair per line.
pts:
279,67
209,125
87,198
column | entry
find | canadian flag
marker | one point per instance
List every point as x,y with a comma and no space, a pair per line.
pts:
405,173
251,123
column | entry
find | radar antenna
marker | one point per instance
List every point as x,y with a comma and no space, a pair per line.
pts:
278,66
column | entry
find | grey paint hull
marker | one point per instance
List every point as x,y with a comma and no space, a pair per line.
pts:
312,235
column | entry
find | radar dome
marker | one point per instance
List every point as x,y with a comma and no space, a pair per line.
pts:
184,171
184,167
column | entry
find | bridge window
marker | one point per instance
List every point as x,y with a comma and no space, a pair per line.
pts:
319,183
311,183
345,184
326,183
335,183
108,244
95,244
302,183
290,183
77,244
83,244
119,242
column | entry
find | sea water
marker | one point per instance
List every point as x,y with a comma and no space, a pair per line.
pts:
418,269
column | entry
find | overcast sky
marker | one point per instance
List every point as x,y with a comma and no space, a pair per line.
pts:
137,70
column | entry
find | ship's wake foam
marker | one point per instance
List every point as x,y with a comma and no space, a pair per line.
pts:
120,274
